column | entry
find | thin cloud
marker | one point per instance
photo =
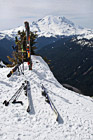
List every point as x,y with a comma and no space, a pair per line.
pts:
18,10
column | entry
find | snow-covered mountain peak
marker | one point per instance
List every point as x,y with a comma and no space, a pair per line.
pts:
51,26
56,20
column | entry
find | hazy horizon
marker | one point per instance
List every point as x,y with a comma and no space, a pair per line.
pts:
14,13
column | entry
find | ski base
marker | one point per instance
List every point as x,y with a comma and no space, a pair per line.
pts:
49,101
27,93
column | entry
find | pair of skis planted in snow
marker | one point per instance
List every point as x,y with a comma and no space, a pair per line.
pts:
28,47
28,51
49,101
26,87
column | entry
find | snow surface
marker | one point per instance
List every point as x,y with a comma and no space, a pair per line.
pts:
51,26
76,111
2,64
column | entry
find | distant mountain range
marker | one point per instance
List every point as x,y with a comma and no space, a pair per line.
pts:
49,29
71,61
51,26
6,49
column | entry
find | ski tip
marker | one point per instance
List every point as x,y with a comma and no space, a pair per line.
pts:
57,119
8,75
28,109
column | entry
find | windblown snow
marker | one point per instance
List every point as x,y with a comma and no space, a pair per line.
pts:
51,26
76,111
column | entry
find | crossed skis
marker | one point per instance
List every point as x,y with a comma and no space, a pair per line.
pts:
26,87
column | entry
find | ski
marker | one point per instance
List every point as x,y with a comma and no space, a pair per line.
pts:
27,93
49,101
22,57
13,70
28,47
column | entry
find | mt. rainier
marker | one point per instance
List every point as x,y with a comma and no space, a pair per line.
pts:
51,26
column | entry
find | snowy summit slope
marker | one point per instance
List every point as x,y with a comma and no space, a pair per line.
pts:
76,111
51,26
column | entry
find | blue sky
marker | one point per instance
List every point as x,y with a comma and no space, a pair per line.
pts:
13,13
